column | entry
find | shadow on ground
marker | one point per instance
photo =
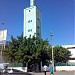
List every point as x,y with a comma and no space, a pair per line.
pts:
17,73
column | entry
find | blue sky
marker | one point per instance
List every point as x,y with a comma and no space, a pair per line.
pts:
57,16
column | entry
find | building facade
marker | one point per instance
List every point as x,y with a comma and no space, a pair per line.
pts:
72,49
32,21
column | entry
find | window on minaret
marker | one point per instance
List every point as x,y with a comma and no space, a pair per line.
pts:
38,27
29,10
38,19
29,21
30,30
38,34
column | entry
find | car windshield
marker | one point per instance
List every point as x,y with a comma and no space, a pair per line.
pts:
1,66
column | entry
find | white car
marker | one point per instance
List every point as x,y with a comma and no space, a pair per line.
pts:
3,66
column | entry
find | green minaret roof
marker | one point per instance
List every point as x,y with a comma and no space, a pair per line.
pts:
32,3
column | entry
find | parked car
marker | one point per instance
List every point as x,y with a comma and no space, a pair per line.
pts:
3,67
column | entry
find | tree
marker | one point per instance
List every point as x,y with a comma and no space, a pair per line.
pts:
29,50
9,52
61,54
34,50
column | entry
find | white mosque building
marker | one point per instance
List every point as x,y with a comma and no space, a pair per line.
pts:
32,21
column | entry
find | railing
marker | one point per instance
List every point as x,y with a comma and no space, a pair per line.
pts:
16,64
64,64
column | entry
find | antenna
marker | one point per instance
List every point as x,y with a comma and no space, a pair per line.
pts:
32,3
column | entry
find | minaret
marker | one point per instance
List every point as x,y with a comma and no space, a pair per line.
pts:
32,3
32,21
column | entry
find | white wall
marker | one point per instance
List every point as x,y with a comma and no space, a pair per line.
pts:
57,68
61,68
65,68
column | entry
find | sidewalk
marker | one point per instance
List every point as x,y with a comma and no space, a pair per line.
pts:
55,73
40,73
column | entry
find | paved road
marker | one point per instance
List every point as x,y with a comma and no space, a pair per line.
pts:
17,73
47,73
56,73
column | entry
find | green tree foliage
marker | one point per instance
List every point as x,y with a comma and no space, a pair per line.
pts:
61,54
33,50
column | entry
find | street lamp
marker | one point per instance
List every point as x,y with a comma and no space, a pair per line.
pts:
52,50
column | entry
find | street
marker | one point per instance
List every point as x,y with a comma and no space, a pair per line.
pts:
41,73
55,73
17,73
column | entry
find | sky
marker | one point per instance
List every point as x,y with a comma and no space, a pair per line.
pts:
57,16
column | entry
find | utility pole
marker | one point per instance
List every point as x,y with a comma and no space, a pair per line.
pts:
52,50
